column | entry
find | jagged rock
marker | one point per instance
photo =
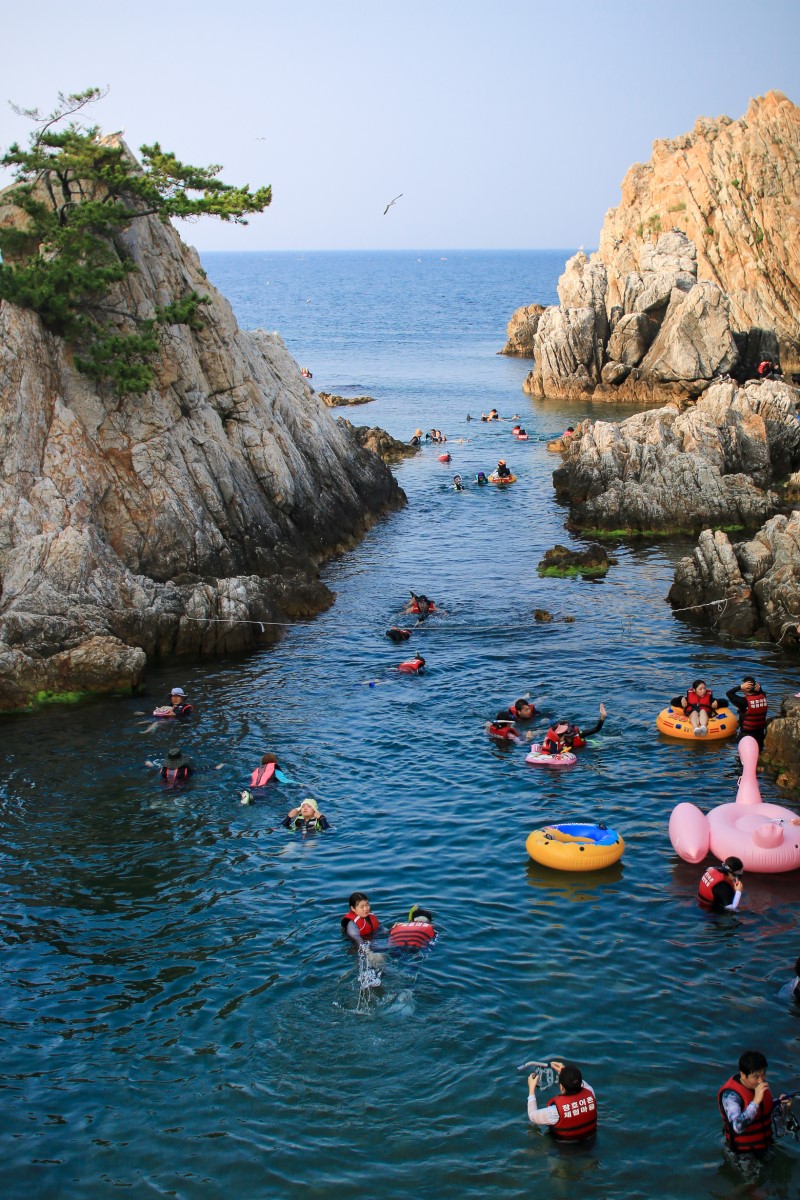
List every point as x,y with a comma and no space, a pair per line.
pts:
673,470
782,744
542,616
632,337
731,192
521,331
561,561
379,442
752,586
181,521
344,401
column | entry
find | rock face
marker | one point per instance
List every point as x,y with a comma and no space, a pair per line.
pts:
681,468
378,441
782,744
748,589
174,522
344,401
521,331
697,272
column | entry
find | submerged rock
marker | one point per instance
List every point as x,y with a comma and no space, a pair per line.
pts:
561,561
185,520
378,441
675,468
751,588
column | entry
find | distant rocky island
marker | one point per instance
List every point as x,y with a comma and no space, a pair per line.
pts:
697,274
191,519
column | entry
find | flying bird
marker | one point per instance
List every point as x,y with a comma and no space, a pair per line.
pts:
391,202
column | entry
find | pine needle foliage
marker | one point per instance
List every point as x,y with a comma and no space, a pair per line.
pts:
62,253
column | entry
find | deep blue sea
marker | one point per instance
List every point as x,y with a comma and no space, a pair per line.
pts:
179,1014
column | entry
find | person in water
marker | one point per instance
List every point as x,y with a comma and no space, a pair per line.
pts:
176,768
458,485
398,634
502,471
522,710
554,740
416,438
420,605
698,705
749,1113
178,706
574,737
503,731
571,1116
481,479
412,666
414,934
751,705
359,923
269,769
306,818
721,887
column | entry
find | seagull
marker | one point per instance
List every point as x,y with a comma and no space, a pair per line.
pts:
391,202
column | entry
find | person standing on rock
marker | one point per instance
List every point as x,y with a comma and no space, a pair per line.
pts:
751,704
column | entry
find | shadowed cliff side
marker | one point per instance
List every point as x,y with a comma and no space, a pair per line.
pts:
173,522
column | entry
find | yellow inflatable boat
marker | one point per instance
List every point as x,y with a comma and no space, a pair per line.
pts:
575,847
673,723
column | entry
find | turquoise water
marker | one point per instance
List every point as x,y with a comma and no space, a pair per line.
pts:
179,1014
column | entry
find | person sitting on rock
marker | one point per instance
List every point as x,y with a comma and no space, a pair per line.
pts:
698,705
568,432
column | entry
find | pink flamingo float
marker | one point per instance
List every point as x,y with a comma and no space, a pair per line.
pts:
761,835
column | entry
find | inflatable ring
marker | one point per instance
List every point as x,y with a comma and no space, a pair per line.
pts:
575,847
537,759
502,481
673,723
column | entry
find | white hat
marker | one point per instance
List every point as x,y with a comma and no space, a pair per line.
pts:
177,692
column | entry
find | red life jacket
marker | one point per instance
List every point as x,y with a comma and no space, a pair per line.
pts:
262,775
695,701
512,708
504,733
411,935
183,710
415,607
709,880
577,1115
757,1135
755,715
367,926
551,743
411,666
764,367
173,775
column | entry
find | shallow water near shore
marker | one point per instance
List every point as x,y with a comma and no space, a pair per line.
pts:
180,1015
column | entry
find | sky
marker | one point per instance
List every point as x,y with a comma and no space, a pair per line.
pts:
506,126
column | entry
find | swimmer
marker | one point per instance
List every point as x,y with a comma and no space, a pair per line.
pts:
414,934
359,923
522,710
721,887
176,768
412,666
554,742
306,818
420,605
481,479
574,737
398,634
502,730
502,471
178,705
571,1116
458,486
264,773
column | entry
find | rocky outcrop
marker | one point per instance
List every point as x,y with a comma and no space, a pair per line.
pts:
332,401
181,521
748,589
679,468
521,331
782,744
697,272
378,441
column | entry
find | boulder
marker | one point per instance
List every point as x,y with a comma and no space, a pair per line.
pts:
378,441
562,562
695,343
782,744
344,401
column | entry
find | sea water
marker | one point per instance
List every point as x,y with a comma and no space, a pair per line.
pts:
180,1013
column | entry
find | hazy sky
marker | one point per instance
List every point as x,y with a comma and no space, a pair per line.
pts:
503,125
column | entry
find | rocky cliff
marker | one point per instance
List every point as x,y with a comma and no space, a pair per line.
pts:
681,468
181,521
697,272
748,588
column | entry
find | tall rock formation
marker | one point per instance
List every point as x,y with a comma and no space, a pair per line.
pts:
697,274
181,521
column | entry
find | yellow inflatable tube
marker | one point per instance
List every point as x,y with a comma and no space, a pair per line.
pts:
502,480
673,723
575,847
